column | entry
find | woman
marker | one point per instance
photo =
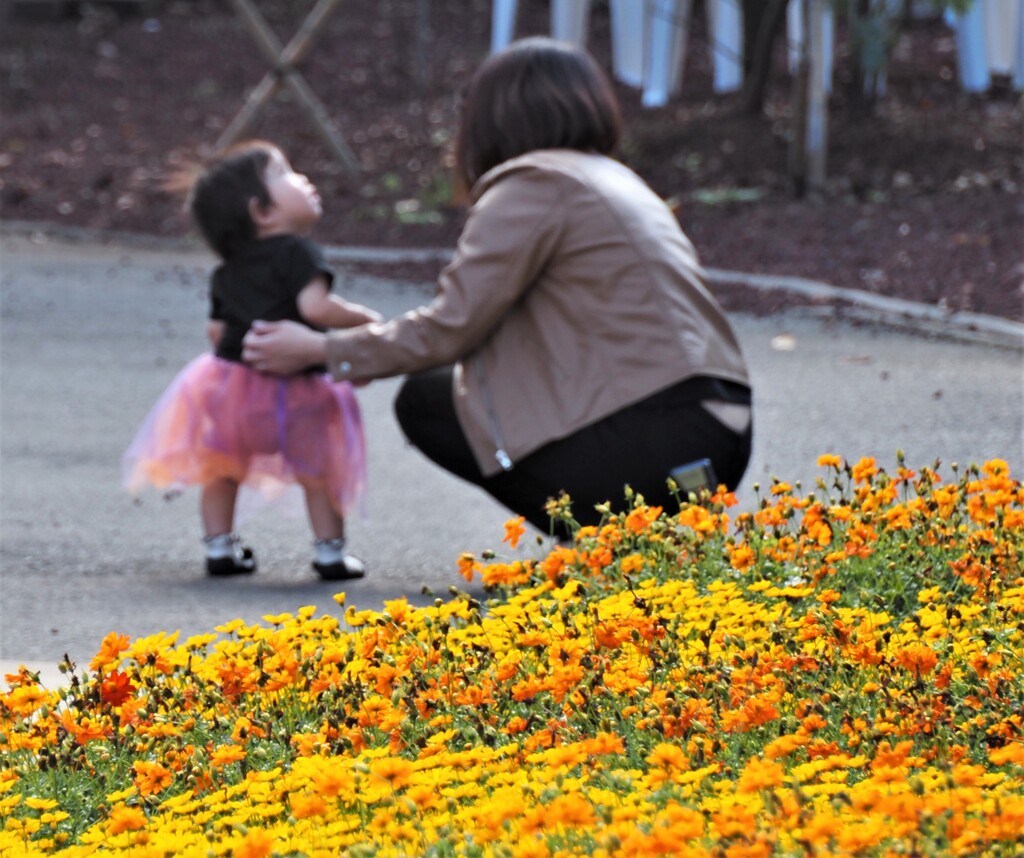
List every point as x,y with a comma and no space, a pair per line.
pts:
572,345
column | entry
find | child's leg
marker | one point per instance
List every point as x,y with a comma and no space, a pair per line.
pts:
217,506
225,555
331,563
323,518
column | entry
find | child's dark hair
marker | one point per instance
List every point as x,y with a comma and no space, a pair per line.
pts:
536,94
220,196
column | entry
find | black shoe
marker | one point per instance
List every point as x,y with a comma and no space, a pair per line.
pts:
242,562
346,569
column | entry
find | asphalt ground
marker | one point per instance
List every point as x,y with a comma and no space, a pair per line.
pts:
92,332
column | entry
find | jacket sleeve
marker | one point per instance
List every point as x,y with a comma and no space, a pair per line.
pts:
511,233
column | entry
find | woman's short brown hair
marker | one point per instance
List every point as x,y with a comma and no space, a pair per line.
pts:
535,94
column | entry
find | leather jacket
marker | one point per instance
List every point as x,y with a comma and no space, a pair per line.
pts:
572,294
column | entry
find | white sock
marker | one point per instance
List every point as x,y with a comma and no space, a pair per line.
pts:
329,550
221,545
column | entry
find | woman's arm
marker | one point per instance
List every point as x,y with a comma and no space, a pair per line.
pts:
510,236
319,306
283,348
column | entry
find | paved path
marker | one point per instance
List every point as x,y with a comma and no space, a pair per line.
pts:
92,333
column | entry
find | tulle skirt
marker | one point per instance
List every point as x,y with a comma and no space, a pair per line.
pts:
221,419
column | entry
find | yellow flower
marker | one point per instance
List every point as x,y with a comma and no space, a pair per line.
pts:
396,771
332,780
668,756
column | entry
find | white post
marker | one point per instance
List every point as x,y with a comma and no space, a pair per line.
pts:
1001,31
725,21
667,24
1018,67
627,17
971,50
795,39
817,98
503,23
569,20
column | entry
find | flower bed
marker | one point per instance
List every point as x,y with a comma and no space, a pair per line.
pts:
837,673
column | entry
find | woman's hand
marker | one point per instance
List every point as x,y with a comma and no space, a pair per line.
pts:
283,348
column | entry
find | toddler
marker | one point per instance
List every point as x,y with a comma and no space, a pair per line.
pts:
221,424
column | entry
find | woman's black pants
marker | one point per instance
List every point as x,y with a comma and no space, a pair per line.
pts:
636,447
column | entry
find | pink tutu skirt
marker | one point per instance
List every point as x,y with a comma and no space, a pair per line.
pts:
221,419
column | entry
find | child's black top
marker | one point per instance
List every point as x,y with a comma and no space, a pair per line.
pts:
263,281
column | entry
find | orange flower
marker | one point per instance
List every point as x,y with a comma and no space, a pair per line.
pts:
307,804
667,756
632,563
888,756
557,560
125,818
813,722
115,688
514,530
255,844
1013,752
395,770
83,728
151,778
640,518
918,658
572,810
226,754
760,710
516,724
759,775
110,649
741,556
468,564
505,573
864,470
334,780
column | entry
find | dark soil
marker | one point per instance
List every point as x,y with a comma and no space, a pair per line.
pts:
925,200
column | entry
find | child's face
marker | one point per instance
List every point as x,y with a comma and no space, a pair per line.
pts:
294,202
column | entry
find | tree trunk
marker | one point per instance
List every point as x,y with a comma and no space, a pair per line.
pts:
762,24
797,156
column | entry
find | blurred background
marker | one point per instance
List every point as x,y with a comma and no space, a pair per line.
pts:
916,191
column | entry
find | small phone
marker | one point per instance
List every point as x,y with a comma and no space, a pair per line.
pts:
694,476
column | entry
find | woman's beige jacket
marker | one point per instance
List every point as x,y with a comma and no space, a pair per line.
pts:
572,294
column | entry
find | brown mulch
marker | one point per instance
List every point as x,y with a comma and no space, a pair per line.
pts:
925,200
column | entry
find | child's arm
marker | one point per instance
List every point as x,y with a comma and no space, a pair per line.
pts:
214,331
318,305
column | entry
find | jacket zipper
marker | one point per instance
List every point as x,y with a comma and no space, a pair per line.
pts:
502,457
